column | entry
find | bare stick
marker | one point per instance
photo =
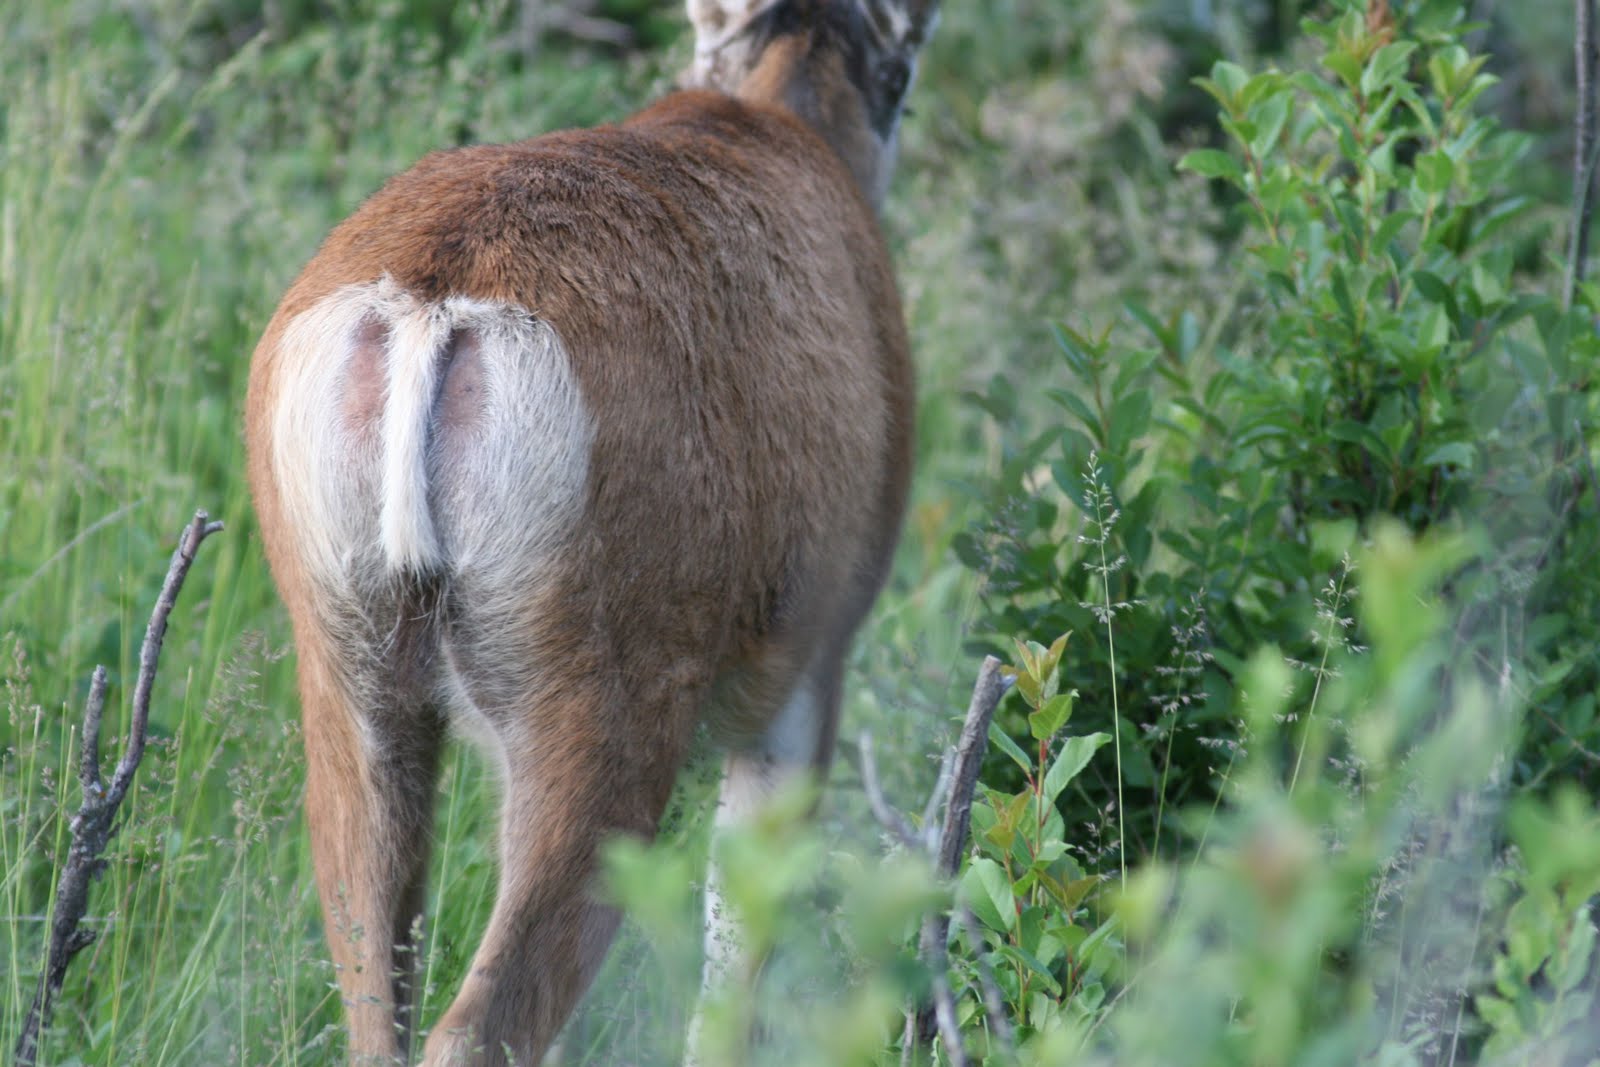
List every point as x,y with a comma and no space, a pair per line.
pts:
1585,148
944,1001
89,757
94,825
941,793
986,693
944,1010
991,686
958,774
182,558
882,810
591,28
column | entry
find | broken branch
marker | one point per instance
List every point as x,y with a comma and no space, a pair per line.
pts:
94,825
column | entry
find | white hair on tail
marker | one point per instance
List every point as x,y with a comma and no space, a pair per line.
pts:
417,336
368,500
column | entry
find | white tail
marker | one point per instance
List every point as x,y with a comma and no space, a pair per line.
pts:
570,445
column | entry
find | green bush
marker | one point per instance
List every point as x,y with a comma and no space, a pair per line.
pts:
1387,354
1309,783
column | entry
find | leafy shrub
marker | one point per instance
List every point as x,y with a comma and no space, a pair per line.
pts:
1385,355
1025,888
1201,519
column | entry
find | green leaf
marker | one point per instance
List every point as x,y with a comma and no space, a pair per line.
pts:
1072,347
1340,288
1269,117
1028,652
1213,163
1130,419
1077,406
1028,685
1500,1015
1474,89
1387,66
1436,289
1346,66
1435,16
1225,84
1092,943
987,889
1580,946
1052,655
1390,228
1033,963
1052,716
1481,227
1077,891
1435,171
1456,453
1434,332
1049,851
1066,895
1002,740
1009,810
1002,837
1362,436
1449,70
1073,758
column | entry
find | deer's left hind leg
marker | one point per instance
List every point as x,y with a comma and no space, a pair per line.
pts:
575,774
372,757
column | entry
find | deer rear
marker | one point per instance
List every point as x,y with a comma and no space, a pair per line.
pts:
568,446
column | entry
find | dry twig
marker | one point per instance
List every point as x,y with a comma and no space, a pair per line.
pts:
986,694
1586,147
958,774
94,825
882,810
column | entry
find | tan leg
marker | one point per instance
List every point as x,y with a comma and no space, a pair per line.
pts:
369,795
571,781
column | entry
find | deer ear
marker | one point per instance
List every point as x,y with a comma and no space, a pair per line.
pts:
714,20
924,15
907,23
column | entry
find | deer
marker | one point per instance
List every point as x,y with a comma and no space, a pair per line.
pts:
575,447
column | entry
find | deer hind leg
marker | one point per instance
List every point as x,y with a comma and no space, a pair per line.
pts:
372,753
578,765
798,743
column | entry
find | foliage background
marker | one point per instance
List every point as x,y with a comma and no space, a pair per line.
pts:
166,167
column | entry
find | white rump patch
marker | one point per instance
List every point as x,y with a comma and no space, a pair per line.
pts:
368,497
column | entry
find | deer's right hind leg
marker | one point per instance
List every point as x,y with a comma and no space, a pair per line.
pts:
372,754
797,743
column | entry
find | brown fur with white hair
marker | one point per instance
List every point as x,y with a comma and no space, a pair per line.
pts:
570,445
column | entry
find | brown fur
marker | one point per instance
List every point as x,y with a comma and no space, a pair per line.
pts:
716,274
